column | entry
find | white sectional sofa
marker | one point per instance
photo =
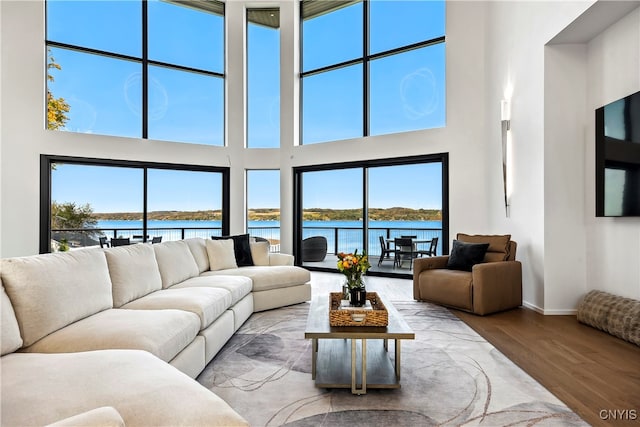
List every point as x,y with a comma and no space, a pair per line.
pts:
88,336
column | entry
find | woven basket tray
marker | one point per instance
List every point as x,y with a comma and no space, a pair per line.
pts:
356,316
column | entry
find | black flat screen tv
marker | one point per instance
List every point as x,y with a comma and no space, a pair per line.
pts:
618,157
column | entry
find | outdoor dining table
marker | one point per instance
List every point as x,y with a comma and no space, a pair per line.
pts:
415,243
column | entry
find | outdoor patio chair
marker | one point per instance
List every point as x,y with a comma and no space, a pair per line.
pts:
385,252
404,251
432,248
314,249
120,242
156,239
104,243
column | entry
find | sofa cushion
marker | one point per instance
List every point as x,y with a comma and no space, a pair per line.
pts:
175,261
207,303
241,247
163,333
260,253
272,277
221,254
106,416
238,286
38,389
10,338
50,291
464,255
134,272
198,249
498,245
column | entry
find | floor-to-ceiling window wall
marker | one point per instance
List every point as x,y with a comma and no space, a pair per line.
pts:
365,205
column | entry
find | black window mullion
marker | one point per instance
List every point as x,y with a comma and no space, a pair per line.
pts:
365,209
365,68
145,89
145,194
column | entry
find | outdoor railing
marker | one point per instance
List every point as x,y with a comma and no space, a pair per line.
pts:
348,239
339,239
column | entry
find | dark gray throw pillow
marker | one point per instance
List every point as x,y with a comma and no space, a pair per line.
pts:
241,248
464,255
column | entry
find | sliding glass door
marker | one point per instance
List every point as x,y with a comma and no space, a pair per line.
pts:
365,206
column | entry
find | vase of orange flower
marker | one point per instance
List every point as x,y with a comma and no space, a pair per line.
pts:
354,266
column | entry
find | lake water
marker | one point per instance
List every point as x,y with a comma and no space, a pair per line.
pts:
341,235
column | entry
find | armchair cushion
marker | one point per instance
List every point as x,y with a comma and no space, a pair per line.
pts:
465,255
499,246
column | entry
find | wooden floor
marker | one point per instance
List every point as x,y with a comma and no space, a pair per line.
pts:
593,373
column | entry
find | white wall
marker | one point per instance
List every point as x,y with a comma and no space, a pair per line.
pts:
613,244
24,137
565,118
516,35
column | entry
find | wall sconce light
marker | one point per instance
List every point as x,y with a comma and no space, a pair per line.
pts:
505,116
505,113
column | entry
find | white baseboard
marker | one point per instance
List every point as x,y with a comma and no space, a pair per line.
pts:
559,312
532,307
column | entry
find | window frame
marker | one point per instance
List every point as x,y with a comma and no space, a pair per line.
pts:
365,60
46,160
248,11
365,165
145,63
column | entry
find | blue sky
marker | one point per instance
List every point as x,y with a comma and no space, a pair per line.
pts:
105,94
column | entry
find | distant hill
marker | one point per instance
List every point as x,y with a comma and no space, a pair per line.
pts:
268,214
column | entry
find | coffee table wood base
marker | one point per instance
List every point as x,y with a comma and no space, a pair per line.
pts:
370,367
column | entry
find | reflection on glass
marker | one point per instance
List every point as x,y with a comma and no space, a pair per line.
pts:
385,191
104,94
82,203
331,38
183,204
195,38
263,81
395,24
332,105
332,200
408,91
186,107
396,209
111,26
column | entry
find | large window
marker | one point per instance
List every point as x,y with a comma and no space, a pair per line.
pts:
371,68
114,69
263,205
365,205
263,78
84,200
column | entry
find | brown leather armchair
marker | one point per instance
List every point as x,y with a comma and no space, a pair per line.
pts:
493,285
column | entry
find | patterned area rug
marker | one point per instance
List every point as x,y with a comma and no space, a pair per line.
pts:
450,376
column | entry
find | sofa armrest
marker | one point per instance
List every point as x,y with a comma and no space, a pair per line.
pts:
422,264
105,416
280,259
497,286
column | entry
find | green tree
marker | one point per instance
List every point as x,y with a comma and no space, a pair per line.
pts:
57,108
70,215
